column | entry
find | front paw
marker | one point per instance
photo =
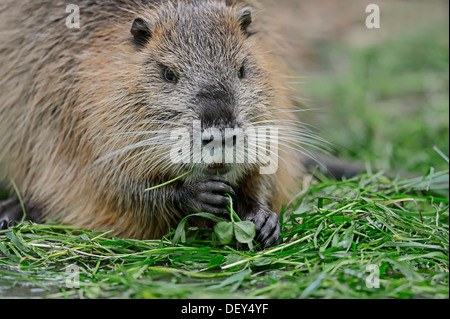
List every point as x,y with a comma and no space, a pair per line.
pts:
11,212
268,228
209,195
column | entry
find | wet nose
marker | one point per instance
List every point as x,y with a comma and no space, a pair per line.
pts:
216,108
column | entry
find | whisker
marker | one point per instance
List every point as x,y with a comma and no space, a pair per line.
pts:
144,143
136,133
162,157
305,137
255,153
299,148
165,122
297,124
147,150
299,134
281,112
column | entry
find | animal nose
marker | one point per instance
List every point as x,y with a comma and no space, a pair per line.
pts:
216,108
217,114
223,138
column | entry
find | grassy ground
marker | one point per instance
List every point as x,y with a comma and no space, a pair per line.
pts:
387,104
337,239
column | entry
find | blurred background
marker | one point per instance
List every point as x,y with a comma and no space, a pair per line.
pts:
380,96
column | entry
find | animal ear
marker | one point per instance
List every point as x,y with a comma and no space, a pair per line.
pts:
245,18
141,31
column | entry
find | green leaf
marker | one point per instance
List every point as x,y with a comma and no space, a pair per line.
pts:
180,232
17,242
263,261
313,286
244,231
224,231
235,281
6,252
216,261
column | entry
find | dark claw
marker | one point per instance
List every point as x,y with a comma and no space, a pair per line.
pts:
214,210
11,213
209,195
216,187
215,200
3,224
268,228
219,178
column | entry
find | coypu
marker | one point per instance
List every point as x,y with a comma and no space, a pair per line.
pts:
86,114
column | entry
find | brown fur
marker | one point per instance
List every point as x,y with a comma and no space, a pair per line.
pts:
70,98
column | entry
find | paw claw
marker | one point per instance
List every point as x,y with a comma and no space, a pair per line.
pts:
209,195
11,213
3,224
268,228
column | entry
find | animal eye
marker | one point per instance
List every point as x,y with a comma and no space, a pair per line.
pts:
241,72
170,75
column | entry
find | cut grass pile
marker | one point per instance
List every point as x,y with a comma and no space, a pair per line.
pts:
340,237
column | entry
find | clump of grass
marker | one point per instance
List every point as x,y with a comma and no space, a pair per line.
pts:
226,230
333,237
